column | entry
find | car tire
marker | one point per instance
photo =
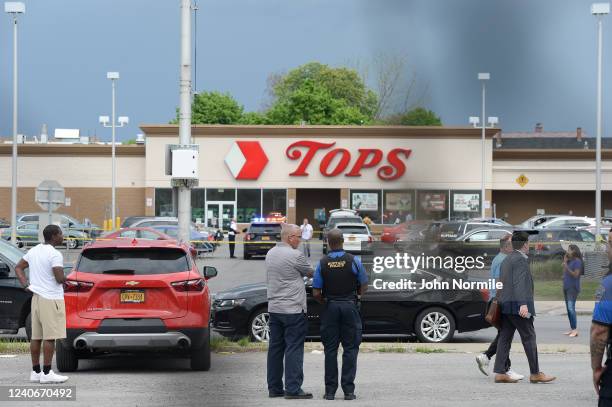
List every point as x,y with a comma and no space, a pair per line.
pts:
200,358
259,325
28,327
72,244
435,325
66,358
20,244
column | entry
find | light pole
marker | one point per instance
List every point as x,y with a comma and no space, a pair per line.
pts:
475,121
123,120
599,10
14,8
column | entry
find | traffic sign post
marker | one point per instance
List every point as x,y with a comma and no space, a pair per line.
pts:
50,195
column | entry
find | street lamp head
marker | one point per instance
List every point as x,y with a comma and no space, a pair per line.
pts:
104,120
474,120
14,7
600,9
112,75
123,120
493,120
484,76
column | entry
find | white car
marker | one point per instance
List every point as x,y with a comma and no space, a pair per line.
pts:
357,237
567,221
537,220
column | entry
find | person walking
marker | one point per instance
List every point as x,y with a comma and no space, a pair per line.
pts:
573,267
482,360
307,233
601,340
231,237
518,312
48,312
286,268
339,280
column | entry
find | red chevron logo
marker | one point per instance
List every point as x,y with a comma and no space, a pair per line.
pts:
246,160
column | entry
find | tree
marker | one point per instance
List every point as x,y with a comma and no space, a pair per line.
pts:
416,117
214,108
318,94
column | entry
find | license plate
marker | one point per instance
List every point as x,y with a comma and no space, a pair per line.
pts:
132,296
265,238
351,238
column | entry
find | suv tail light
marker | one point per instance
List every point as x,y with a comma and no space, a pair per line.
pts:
188,285
73,286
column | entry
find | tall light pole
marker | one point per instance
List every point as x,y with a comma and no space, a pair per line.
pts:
14,8
599,10
123,120
475,121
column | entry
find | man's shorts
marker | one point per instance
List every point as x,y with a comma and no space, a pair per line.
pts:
48,318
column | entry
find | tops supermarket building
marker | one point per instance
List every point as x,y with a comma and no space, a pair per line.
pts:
388,173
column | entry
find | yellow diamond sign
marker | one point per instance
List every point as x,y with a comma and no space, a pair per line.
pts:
522,180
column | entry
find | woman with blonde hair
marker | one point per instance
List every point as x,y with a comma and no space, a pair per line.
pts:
573,268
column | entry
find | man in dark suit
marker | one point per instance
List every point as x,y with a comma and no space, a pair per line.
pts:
518,312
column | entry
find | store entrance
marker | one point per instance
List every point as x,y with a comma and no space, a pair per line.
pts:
315,205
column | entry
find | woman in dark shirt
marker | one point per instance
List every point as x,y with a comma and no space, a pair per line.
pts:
573,267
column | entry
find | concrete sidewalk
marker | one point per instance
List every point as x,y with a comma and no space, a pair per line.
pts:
558,307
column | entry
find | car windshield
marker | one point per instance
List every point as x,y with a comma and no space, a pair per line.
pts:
265,228
11,252
133,261
354,229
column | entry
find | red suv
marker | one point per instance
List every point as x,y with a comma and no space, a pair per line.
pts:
136,295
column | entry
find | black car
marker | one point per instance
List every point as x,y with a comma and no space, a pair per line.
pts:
431,315
480,242
14,300
260,237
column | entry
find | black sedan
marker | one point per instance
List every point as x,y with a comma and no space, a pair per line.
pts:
260,237
432,315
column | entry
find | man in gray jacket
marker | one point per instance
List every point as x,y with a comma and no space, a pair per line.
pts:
518,311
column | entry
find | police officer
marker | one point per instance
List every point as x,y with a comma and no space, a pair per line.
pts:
338,282
601,340
231,237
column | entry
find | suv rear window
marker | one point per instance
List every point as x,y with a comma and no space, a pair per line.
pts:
354,229
352,219
265,228
133,261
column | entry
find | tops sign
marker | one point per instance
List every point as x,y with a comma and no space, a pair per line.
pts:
305,151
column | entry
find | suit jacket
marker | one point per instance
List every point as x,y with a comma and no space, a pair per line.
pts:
518,284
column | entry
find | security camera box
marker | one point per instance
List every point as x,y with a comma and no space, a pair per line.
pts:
185,164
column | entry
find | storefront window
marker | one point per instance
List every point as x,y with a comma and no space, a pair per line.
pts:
163,202
398,206
367,203
249,204
465,204
274,200
432,205
220,194
197,205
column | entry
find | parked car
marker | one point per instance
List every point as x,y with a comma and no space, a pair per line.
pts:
27,235
130,220
137,233
567,221
136,296
242,311
551,243
260,237
337,216
536,220
199,240
67,222
14,300
452,230
4,223
480,242
357,238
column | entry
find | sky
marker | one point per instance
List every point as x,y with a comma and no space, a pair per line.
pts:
541,55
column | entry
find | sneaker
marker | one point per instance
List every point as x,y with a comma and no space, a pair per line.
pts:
35,377
515,376
52,377
483,363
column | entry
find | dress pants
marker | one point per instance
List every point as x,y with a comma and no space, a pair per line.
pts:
524,326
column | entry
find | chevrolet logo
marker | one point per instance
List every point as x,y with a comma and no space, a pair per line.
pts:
132,283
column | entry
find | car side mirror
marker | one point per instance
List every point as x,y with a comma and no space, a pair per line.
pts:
4,270
209,272
467,240
244,230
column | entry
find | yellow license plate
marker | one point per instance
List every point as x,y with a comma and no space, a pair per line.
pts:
132,296
265,238
351,238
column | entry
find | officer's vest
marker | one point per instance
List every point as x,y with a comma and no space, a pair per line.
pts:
339,281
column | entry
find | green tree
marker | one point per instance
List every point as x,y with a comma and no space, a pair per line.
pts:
318,94
415,117
214,108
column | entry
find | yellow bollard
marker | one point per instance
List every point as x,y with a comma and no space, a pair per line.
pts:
106,228
117,222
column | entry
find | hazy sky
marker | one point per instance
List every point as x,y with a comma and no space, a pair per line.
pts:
541,55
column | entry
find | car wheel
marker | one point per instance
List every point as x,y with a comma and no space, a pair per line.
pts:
28,327
72,243
259,326
20,244
66,358
200,358
435,325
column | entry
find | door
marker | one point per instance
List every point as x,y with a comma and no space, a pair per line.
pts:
13,297
219,214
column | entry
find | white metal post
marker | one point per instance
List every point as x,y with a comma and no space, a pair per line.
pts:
114,169
482,146
184,194
14,162
599,125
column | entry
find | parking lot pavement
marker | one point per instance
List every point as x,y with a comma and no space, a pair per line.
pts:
383,379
